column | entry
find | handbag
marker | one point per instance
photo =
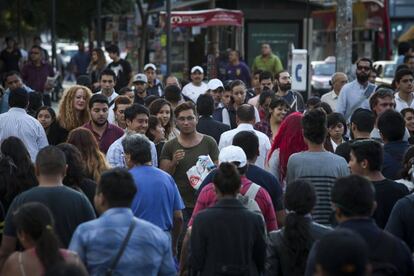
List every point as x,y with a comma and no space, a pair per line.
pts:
110,270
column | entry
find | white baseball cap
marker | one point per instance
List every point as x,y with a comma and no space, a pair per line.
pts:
197,68
233,154
150,66
213,84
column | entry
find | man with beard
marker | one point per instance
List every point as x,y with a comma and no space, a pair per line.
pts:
140,83
355,94
105,133
294,98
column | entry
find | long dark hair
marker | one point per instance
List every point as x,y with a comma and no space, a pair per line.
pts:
76,170
16,170
299,199
35,219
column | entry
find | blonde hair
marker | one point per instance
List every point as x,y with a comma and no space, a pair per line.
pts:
67,117
95,161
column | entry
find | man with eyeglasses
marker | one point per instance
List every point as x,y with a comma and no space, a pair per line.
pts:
182,152
35,73
355,94
404,98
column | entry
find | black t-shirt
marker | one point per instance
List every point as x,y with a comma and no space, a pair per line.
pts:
69,209
387,193
122,70
11,60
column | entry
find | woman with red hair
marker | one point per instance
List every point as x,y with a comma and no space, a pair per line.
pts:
289,140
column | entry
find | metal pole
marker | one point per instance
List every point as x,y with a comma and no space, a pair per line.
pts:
344,36
169,35
98,23
53,33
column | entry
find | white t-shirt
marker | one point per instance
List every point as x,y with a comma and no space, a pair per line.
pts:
192,91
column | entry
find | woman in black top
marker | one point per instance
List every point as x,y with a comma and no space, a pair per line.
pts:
289,247
75,173
16,170
54,132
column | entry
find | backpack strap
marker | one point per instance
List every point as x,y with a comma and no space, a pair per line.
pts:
252,191
366,95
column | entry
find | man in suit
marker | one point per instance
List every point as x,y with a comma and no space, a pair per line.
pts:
206,124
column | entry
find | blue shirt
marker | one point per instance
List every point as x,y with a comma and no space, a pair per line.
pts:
4,101
393,159
157,197
147,253
350,95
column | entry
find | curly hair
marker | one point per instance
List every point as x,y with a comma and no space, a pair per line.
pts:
95,161
67,117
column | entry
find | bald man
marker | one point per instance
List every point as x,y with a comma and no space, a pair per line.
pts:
338,80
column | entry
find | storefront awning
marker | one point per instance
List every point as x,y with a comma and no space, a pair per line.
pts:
408,35
205,18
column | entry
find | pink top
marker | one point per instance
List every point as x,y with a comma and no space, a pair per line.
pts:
208,198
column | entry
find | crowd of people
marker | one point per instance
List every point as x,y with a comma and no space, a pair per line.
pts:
106,183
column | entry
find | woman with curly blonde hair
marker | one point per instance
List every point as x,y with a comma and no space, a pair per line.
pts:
95,161
73,108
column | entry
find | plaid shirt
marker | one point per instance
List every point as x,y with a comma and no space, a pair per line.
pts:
264,126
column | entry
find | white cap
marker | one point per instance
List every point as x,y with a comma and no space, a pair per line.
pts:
150,66
140,78
233,154
197,68
213,84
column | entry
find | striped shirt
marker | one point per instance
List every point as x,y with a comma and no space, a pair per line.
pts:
321,169
16,122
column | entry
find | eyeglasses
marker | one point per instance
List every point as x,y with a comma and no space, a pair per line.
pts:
365,68
183,119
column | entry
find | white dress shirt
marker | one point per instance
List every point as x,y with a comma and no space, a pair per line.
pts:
350,95
400,104
226,139
330,98
16,122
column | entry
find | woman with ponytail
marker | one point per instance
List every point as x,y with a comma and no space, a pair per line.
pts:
288,248
227,239
34,226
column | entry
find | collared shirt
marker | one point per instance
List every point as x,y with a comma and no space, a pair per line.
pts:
148,252
111,99
208,198
36,76
4,101
158,184
400,104
16,122
110,135
226,139
115,154
330,98
349,96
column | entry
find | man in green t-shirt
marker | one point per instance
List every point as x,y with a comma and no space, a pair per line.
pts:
267,61
181,153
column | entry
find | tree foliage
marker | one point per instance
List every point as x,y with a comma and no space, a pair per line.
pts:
73,18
